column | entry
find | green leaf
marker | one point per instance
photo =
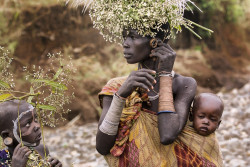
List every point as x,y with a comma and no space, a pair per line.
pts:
46,107
4,84
57,85
4,96
57,73
53,84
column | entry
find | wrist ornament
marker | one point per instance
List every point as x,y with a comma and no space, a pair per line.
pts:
166,74
166,103
111,121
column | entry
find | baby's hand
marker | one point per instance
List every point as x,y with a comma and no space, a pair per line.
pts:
54,162
20,156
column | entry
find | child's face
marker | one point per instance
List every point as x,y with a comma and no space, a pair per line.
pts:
30,128
206,118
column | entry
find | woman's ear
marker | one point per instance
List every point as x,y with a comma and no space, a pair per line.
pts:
4,134
7,138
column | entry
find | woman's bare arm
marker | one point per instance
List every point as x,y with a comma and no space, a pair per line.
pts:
140,78
171,124
104,142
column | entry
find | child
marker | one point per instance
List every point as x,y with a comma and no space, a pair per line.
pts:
11,124
206,113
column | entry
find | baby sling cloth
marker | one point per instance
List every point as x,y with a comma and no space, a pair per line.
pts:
138,142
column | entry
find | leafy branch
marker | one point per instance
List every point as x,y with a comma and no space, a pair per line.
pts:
48,88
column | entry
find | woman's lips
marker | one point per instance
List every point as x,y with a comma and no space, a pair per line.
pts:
127,56
39,137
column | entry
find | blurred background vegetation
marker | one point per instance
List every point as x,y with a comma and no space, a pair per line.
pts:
31,29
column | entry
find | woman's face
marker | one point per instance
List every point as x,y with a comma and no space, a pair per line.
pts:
135,47
30,128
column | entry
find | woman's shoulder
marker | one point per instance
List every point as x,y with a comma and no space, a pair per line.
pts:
112,86
181,80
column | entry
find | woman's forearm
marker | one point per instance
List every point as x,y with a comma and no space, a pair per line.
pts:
170,124
109,123
167,119
104,142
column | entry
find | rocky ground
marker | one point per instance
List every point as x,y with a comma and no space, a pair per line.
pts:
76,144
234,131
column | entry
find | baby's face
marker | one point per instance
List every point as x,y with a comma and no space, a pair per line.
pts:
207,118
30,128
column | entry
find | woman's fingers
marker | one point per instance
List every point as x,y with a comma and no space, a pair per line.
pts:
17,149
163,48
23,151
59,164
54,162
141,85
145,81
156,54
145,75
26,155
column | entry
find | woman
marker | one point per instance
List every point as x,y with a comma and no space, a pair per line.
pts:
137,49
145,112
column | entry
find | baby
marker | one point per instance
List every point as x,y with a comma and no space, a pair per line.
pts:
206,113
15,154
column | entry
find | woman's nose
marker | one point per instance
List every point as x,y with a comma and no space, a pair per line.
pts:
37,127
125,43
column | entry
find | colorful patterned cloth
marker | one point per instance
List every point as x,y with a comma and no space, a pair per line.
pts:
4,158
138,141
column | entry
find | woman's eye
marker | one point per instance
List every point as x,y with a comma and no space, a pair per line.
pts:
27,125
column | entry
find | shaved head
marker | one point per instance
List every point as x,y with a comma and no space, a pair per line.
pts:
9,112
208,97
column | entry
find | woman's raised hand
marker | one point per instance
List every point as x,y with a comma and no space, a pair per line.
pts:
142,78
54,162
20,156
166,56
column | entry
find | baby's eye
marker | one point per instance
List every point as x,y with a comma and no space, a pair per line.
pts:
213,119
201,116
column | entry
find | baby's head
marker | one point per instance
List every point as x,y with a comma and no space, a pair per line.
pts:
206,113
9,126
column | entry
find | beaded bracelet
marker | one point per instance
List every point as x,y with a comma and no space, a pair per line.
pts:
160,112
